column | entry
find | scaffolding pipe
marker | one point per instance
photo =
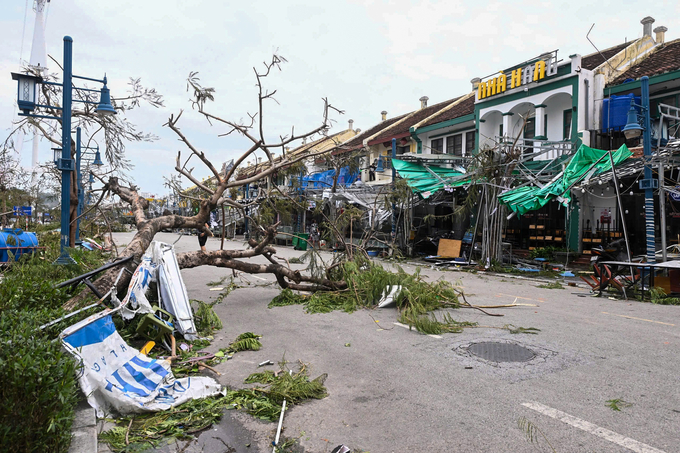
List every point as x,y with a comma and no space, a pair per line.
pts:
662,211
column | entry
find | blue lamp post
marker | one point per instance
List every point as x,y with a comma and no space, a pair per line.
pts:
648,184
27,101
79,178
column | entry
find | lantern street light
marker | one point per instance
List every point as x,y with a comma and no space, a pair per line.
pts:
648,183
27,100
90,160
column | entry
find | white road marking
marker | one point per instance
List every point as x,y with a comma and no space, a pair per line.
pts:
611,436
257,277
407,327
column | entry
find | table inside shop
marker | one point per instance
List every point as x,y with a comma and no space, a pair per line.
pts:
628,275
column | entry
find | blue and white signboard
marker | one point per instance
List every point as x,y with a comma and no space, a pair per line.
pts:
675,194
117,376
23,210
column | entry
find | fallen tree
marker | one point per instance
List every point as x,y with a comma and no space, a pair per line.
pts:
214,194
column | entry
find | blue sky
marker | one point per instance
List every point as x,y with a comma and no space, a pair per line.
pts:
365,56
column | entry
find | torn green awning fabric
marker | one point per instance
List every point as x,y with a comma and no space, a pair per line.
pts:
424,182
524,199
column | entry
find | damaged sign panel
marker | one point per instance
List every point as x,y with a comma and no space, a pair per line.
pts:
116,376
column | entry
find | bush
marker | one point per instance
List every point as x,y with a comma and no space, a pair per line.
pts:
39,388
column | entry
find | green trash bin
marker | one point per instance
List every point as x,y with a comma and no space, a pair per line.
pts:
300,241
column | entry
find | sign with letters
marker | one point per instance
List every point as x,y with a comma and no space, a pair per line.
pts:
523,75
23,211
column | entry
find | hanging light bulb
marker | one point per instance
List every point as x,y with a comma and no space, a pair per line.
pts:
583,190
599,182
626,211
631,192
602,193
620,186
607,188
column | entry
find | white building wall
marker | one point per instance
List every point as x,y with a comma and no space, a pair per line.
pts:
555,111
426,137
488,129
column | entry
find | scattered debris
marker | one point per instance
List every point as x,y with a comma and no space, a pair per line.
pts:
266,362
617,404
206,319
266,402
136,433
278,429
147,347
553,285
172,289
389,296
532,431
116,376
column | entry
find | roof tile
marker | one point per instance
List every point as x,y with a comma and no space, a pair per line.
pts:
465,107
594,60
663,59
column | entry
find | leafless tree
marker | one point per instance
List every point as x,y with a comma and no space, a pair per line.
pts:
216,193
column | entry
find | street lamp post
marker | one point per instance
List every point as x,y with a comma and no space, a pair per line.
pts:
79,177
648,183
27,101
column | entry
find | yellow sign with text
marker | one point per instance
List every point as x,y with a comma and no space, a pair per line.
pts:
518,77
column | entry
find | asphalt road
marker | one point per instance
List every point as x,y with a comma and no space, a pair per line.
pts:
396,390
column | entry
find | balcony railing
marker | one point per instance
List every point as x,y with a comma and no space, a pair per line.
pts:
532,149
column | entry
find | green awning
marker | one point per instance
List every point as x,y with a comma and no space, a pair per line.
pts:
424,182
527,198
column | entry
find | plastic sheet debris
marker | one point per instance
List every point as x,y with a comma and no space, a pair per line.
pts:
341,449
173,292
116,376
138,288
389,296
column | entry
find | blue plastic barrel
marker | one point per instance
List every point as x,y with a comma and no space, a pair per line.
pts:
17,241
615,111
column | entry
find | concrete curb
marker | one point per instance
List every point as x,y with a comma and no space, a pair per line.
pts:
84,430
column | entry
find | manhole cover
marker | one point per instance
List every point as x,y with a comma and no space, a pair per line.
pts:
501,352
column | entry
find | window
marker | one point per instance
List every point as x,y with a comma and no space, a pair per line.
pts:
403,150
500,130
437,146
454,145
566,125
545,125
469,143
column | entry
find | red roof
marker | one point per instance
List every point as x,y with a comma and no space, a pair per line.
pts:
357,141
402,129
665,58
594,60
464,107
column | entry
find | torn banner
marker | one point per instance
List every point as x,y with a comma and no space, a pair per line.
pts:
117,376
159,264
135,300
